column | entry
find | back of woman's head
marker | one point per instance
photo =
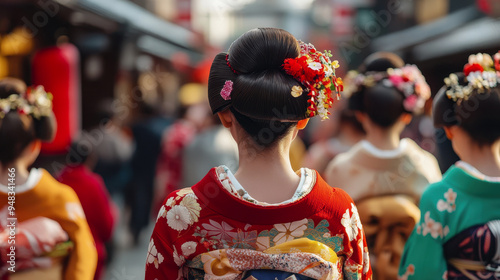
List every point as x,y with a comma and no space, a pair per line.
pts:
471,100
385,88
380,62
251,81
22,119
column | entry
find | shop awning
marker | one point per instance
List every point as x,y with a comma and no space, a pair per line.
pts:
138,19
407,39
477,35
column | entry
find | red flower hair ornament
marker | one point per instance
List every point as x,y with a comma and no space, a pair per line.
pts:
482,72
316,73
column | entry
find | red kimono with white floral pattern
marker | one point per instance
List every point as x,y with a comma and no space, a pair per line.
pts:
208,232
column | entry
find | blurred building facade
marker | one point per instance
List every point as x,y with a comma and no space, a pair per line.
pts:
122,48
145,49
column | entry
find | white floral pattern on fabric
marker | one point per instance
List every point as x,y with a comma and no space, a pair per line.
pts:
290,231
161,213
179,218
448,205
192,205
154,257
219,231
170,202
366,260
182,192
263,243
178,259
188,248
430,226
410,270
352,224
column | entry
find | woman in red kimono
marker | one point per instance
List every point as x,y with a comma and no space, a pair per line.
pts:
265,221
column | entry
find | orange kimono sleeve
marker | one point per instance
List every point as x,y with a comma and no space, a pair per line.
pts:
83,259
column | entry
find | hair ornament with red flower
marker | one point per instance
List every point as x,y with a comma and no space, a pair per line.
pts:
481,73
316,72
407,79
36,103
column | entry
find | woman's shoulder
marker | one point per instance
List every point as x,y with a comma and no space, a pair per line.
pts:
417,153
50,186
338,197
341,161
423,161
435,192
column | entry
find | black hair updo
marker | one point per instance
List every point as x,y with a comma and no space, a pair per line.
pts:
479,115
261,99
383,104
17,130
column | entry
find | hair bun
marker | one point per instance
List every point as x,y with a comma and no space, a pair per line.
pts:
262,49
45,128
261,89
266,95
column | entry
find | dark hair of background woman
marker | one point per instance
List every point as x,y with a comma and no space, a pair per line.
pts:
382,104
17,131
261,99
479,115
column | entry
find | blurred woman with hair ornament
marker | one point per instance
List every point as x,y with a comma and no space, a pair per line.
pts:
384,174
458,236
265,221
52,238
385,96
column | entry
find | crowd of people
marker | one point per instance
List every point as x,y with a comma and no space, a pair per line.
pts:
277,169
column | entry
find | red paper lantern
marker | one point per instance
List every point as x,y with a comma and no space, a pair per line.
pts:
57,69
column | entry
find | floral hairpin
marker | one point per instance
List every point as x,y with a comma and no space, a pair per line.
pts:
226,90
411,82
316,73
407,79
36,102
482,73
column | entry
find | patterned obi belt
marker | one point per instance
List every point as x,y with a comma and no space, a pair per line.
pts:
299,259
474,253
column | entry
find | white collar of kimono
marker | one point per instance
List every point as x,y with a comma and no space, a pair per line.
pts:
476,173
403,143
33,179
306,183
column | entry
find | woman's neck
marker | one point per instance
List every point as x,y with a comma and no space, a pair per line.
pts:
267,175
383,139
20,172
486,159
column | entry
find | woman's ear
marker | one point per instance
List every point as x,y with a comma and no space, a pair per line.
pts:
406,118
449,133
225,118
302,124
360,116
35,146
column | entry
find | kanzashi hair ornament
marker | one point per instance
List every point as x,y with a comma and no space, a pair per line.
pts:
482,73
226,90
36,103
316,73
297,91
229,65
407,79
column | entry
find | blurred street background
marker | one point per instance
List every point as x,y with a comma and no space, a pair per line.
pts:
128,76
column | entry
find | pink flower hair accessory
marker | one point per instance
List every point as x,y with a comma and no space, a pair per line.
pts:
407,79
226,90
